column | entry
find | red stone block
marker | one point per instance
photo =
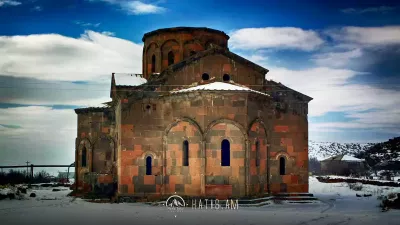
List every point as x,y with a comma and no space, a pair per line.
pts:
131,188
173,147
300,163
290,150
134,170
220,126
125,180
125,100
295,179
194,147
149,179
219,191
281,128
287,179
254,127
227,68
137,147
236,147
231,116
105,130
275,187
178,127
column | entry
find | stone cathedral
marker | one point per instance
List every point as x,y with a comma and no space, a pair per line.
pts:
207,122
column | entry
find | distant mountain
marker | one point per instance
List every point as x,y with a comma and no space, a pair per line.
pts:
382,153
323,150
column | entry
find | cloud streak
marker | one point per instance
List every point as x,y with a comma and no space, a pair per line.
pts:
9,3
380,9
366,36
135,7
91,57
275,38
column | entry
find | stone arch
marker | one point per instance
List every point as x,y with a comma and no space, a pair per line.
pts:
152,154
152,49
284,154
183,119
104,154
168,46
227,121
192,46
259,157
89,150
220,176
152,44
185,180
261,122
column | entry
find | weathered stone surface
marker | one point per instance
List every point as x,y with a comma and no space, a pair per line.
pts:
118,140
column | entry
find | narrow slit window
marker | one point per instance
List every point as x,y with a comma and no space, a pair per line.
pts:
148,165
225,153
153,64
282,166
171,58
84,157
185,160
257,153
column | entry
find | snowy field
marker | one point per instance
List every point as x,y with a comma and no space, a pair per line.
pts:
339,206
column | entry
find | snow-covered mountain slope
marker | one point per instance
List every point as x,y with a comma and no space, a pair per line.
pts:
323,150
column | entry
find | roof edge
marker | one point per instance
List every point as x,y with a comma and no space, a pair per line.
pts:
183,29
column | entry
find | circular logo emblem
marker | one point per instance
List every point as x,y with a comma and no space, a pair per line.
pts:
175,202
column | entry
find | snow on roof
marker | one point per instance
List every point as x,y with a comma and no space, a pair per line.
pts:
351,158
129,79
343,158
218,86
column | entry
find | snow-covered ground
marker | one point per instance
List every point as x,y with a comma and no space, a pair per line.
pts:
339,206
395,179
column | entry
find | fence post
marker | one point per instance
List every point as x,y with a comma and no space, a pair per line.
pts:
32,172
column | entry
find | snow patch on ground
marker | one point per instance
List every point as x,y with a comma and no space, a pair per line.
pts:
340,206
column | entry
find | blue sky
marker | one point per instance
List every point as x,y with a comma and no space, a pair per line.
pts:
58,55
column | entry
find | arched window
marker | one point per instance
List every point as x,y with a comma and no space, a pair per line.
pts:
225,153
185,155
153,64
282,165
171,58
226,77
84,157
257,153
148,165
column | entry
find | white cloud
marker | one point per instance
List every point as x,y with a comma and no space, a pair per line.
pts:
336,59
275,37
37,8
92,57
83,24
9,3
381,9
366,36
332,92
108,33
136,7
45,135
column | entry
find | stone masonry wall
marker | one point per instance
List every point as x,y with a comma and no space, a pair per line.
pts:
289,139
95,133
181,44
215,66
